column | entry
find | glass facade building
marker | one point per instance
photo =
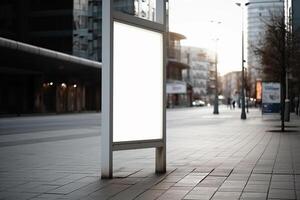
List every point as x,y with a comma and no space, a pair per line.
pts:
295,15
69,26
87,29
37,84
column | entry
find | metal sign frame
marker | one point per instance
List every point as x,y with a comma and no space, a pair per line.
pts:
107,144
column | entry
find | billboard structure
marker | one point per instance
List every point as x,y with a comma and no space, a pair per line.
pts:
133,84
270,97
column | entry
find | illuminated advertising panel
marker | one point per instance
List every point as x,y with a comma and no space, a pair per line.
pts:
270,97
137,83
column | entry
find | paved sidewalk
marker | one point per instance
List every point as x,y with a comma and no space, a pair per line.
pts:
209,157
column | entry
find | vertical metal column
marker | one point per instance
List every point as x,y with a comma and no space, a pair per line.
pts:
107,90
161,155
216,102
243,113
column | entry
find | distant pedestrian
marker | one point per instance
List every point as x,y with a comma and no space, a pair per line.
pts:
229,102
233,104
297,104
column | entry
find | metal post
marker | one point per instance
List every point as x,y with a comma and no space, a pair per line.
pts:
243,114
160,11
287,101
161,17
160,160
188,70
107,95
216,103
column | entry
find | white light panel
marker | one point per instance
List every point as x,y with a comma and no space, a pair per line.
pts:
137,83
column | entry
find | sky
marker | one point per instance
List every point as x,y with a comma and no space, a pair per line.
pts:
197,20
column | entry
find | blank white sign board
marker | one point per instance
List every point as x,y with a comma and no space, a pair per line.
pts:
137,83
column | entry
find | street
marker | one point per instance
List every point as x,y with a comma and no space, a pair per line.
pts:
209,157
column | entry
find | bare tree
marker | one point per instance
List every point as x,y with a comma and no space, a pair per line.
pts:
279,52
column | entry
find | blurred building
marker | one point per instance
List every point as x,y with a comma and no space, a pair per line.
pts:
69,26
294,10
179,92
201,74
32,83
211,86
259,12
37,83
231,85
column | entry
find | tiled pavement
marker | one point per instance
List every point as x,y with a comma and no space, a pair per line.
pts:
229,159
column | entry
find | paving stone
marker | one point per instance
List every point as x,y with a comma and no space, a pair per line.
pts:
26,186
238,177
16,196
283,185
281,194
10,185
257,188
89,179
127,180
253,196
86,190
198,196
175,193
232,186
123,174
204,169
150,194
108,191
284,178
48,197
221,172
137,189
41,189
258,182
142,174
212,181
201,193
226,195
243,170
66,189
260,177
66,179
190,180
173,179
162,186
263,170
204,189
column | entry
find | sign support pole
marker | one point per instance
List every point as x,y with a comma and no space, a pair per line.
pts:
107,95
160,155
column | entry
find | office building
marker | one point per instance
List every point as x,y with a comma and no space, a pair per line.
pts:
295,12
201,74
231,85
34,82
179,92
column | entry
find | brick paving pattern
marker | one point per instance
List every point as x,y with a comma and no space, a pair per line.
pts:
229,159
